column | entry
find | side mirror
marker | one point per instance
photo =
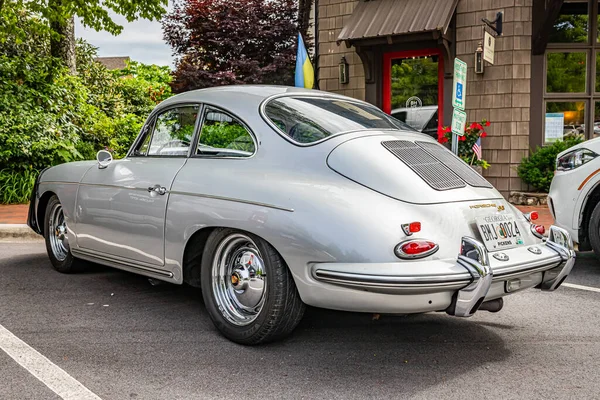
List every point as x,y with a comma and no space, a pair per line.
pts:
104,158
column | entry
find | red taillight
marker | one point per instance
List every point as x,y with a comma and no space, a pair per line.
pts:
416,248
540,229
533,215
414,227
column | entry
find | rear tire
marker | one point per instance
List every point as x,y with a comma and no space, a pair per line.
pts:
248,290
594,230
57,242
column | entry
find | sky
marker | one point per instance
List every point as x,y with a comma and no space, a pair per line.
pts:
141,40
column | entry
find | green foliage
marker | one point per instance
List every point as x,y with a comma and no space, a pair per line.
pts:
48,117
415,77
16,187
537,170
223,135
570,29
92,13
566,73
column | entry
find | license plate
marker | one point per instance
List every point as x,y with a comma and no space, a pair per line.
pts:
499,231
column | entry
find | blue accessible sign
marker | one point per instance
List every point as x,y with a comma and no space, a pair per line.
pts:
460,84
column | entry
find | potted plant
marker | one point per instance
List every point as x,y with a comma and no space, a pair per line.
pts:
466,143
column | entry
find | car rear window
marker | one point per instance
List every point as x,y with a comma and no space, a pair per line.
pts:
311,119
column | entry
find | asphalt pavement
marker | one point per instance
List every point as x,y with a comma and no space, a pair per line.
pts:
122,338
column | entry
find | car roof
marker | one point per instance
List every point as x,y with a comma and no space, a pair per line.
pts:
234,97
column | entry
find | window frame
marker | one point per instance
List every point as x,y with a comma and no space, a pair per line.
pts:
591,48
198,134
151,123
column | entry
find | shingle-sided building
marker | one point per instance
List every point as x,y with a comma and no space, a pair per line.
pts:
541,87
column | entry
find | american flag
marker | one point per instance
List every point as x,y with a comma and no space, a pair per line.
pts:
477,148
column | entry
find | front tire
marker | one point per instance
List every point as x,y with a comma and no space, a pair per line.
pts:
594,230
57,241
248,289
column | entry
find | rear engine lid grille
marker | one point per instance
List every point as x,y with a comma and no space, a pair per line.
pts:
461,168
432,171
439,168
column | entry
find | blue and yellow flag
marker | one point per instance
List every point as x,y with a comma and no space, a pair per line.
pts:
305,75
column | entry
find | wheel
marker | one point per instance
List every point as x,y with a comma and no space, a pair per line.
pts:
55,234
248,290
594,230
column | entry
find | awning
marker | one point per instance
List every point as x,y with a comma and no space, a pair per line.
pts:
386,18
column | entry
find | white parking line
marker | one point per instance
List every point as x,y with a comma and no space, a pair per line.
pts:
580,287
39,366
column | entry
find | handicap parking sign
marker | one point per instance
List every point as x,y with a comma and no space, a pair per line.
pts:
459,91
460,84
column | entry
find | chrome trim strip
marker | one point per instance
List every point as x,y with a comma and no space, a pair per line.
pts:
255,203
525,272
387,286
118,263
58,182
545,263
392,279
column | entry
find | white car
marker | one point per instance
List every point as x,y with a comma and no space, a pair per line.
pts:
574,198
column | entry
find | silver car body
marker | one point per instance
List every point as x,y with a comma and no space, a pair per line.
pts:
334,210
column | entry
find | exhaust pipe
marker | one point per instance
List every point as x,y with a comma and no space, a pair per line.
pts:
493,305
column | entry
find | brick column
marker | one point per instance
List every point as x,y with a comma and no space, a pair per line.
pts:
502,93
333,14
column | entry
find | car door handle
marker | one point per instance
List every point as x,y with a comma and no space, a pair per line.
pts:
157,189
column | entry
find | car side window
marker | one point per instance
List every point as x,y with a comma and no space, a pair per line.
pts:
223,135
142,148
172,133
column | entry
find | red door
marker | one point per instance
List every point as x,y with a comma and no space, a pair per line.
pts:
413,85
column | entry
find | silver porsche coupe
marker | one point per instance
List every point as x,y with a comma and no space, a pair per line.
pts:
272,198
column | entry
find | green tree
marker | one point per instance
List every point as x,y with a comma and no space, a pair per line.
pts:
59,16
48,116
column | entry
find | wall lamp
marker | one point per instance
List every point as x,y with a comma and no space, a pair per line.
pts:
343,71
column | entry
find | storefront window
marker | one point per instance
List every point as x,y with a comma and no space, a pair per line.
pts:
572,73
596,128
565,72
598,71
598,24
572,25
413,90
564,119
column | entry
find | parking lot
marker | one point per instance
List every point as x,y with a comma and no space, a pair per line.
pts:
118,337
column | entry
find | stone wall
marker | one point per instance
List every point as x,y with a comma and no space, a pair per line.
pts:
502,93
333,14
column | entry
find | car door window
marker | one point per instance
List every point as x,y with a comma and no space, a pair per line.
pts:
142,149
173,132
223,135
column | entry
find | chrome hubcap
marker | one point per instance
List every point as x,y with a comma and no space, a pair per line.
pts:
59,241
239,279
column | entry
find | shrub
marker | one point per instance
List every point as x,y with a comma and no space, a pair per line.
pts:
49,117
16,186
537,170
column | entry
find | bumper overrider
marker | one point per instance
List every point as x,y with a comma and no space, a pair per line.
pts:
474,279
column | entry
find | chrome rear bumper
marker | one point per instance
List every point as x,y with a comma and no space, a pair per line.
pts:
474,281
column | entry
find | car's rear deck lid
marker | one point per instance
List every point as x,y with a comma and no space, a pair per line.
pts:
409,167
